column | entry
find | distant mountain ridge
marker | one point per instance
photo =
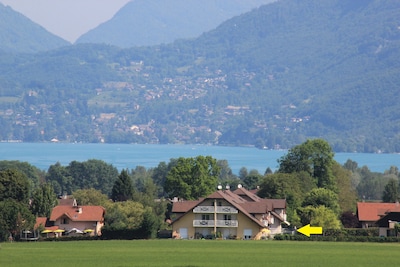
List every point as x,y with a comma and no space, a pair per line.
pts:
272,77
153,22
19,34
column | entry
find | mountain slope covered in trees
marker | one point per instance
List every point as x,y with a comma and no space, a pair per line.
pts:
272,77
19,34
152,22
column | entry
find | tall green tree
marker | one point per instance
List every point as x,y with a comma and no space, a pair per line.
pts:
122,189
319,216
268,171
226,174
124,215
43,200
34,175
90,197
391,191
347,194
14,203
159,175
58,176
313,156
14,217
150,224
394,170
252,181
93,173
192,178
371,184
322,197
243,172
14,185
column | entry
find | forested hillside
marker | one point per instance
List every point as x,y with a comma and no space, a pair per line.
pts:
272,78
19,34
153,22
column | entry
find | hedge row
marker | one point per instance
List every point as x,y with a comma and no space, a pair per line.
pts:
342,235
351,232
70,238
126,234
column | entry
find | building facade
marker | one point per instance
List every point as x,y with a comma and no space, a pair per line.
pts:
240,214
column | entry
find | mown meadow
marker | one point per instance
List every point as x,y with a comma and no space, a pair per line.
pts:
197,253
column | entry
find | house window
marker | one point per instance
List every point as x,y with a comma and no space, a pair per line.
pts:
227,217
64,221
205,217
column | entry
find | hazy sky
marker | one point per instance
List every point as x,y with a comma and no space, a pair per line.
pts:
68,19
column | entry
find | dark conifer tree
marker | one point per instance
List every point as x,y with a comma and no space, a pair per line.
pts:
122,189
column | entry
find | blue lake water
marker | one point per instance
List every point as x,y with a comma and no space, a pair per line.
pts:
128,156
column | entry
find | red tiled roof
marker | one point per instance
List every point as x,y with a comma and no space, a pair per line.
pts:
67,202
40,221
250,194
184,206
373,211
88,213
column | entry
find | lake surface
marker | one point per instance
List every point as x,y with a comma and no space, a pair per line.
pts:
128,156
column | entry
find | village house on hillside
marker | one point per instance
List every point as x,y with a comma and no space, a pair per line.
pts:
240,214
70,218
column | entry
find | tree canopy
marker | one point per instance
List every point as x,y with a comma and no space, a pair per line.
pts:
313,184
43,200
191,178
122,189
391,191
15,215
14,185
314,157
92,173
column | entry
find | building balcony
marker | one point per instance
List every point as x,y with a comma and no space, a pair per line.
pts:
219,223
212,209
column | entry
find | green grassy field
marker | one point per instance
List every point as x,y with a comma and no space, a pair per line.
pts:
197,253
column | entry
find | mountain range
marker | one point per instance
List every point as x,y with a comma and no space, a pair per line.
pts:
20,34
272,77
137,23
153,22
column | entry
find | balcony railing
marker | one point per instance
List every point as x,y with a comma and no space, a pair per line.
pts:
203,209
226,209
210,209
220,223
227,223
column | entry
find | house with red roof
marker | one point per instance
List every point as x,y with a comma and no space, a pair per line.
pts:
70,218
238,214
369,213
387,223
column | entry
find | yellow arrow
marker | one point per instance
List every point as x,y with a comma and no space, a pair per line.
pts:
308,230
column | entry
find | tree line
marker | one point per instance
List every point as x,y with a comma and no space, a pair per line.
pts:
317,189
